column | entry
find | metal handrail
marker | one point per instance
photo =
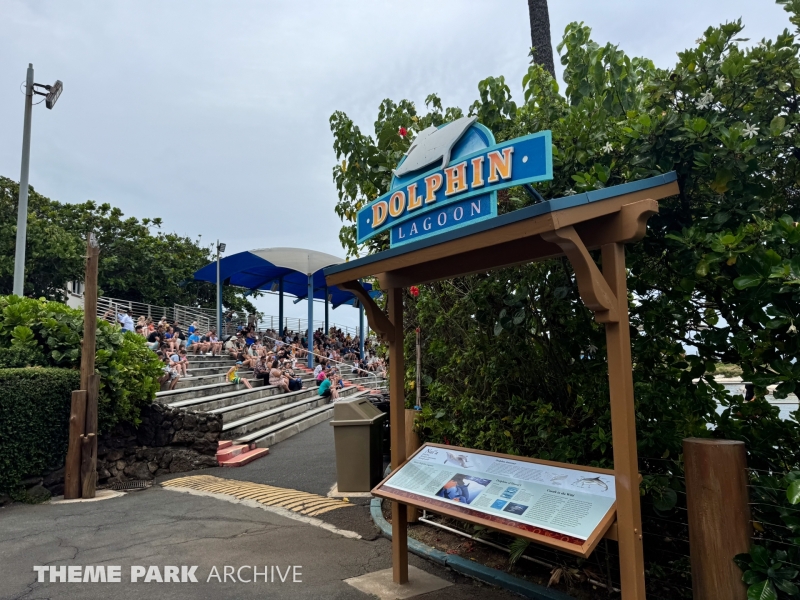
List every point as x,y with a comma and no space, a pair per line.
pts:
359,370
206,317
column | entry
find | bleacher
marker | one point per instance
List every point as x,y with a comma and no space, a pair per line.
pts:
255,419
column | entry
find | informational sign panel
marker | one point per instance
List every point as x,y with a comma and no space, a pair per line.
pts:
449,178
552,503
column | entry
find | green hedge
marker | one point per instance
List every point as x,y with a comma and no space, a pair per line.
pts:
34,422
36,332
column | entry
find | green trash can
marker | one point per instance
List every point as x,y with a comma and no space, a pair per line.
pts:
357,434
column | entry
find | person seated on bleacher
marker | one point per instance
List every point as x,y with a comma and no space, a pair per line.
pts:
177,334
215,344
176,363
233,376
169,339
184,360
261,369
194,343
231,346
171,371
154,340
321,363
328,388
276,376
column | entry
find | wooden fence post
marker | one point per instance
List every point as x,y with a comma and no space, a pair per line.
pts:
719,516
72,466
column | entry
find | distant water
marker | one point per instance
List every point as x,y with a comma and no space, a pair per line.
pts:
786,406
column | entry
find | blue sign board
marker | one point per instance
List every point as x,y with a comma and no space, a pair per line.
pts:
449,178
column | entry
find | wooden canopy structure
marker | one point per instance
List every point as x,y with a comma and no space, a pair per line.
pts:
571,226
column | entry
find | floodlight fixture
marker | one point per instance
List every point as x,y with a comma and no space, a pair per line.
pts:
53,94
221,247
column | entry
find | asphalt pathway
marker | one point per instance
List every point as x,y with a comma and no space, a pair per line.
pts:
159,527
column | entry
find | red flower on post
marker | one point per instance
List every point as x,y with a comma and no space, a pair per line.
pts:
414,291
402,132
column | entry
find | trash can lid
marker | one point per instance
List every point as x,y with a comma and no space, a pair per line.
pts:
355,409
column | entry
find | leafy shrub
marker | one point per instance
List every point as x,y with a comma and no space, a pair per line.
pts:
34,422
21,356
771,566
129,371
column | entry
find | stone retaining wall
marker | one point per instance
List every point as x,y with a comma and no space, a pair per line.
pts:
168,440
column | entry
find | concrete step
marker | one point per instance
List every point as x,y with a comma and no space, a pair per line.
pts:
231,451
199,391
244,458
252,406
206,357
260,418
264,438
222,444
207,403
295,418
202,371
217,361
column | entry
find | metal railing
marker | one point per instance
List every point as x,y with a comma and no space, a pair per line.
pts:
185,315
206,317
361,372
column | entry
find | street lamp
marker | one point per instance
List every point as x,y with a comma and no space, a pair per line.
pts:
51,96
220,248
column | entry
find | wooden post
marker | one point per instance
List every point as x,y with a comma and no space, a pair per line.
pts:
623,428
89,311
72,467
412,445
398,420
719,516
89,440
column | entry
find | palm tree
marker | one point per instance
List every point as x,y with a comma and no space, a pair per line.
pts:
542,50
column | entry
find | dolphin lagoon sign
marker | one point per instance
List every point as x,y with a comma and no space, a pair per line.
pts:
450,177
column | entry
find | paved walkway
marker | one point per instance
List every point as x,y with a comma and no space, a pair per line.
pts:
161,527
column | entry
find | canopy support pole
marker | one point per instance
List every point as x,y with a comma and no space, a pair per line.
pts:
623,428
327,325
310,335
280,307
361,330
397,408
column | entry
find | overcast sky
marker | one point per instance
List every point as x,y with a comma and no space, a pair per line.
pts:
214,115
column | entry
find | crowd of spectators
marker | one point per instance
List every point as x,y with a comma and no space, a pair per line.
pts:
271,355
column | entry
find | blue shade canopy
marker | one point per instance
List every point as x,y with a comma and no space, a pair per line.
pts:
262,269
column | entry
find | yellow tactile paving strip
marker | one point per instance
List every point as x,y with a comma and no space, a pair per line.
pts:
300,502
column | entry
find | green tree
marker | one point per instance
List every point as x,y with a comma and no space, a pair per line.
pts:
514,362
138,261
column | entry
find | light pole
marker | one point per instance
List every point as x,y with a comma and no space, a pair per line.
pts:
220,248
52,95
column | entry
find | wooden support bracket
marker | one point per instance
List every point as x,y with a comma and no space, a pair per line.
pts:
592,285
378,321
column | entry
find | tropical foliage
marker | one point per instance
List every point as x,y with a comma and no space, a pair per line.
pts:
46,333
515,363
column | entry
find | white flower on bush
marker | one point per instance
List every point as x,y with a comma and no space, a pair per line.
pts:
640,87
719,81
750,131
699,41
705,100
792,329
608,148
570,192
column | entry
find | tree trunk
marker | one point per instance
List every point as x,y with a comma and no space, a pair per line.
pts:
542,51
